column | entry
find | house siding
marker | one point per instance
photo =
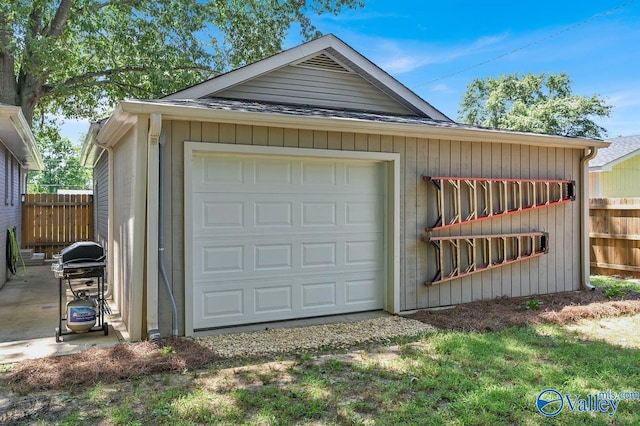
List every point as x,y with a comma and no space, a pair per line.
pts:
321,88
11,186
620,182
101,200
126,235
559,270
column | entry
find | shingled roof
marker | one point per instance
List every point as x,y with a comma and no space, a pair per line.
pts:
621,149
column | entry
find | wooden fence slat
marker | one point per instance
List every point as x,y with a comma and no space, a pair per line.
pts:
614,231
51,221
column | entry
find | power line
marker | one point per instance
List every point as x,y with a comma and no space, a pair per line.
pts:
533,43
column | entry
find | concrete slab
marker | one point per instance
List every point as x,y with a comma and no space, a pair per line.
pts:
29,316
45,347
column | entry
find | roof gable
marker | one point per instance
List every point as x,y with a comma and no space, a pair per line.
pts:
621,149
325,72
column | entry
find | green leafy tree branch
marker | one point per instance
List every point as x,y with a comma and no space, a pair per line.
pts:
542,103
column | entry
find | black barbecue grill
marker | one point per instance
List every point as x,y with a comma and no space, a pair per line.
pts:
78,265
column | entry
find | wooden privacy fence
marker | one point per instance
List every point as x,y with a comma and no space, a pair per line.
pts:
614,231
51,221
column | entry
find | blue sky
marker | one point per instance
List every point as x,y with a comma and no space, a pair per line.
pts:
437,48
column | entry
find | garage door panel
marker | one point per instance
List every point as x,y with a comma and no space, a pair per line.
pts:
361,291
284,238
210,170
319,295
219,304
270,300
319,174
273,214
322,254
272,172
273,299
366,252
224,259
285,255
221,214
316,213
366,177
269,257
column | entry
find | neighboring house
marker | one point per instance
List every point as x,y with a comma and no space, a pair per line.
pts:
615,171
18,155
293,187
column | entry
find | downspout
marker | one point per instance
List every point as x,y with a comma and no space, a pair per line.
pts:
163,270
155,125
585,243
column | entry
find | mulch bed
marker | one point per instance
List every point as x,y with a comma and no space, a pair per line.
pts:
506,312
122,362
134,360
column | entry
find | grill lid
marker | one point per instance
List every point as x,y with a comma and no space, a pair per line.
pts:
82,251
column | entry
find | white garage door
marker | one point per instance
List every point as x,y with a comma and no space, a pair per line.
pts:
279,238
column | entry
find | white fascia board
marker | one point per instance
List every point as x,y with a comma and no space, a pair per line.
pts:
22,144
181,112
118,124
90,150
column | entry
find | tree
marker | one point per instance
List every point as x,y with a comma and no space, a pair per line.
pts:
77,58
62,168
540,103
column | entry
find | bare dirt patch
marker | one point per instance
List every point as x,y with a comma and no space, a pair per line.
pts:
559,308
622,331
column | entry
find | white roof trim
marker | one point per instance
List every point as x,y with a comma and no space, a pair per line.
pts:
295,55
127,111
91,151
20,141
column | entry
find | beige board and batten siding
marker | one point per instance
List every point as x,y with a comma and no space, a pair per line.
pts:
129,163
303,85
559,270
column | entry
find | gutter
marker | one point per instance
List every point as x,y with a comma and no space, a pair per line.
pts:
585,243
183,112
153,205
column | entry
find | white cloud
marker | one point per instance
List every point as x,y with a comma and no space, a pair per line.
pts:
626,99
402,57
442,88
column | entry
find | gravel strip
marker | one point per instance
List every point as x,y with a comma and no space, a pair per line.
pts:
304,339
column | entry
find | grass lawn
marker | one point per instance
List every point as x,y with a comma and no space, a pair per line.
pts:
448,377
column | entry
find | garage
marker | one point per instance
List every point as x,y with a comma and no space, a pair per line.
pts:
303,186
278,237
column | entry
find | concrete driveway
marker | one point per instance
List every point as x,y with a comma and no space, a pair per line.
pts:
29,316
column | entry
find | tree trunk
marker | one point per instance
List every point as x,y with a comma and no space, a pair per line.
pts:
8,85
